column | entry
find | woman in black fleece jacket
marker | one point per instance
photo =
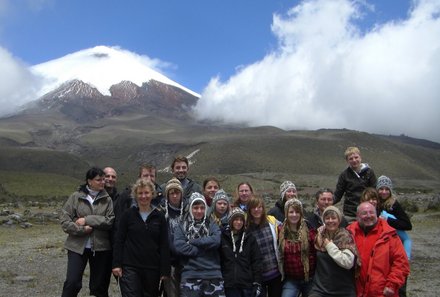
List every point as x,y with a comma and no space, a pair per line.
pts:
141,255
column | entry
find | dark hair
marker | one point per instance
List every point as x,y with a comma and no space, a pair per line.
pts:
207,180
146,166
179,159
94,172
322,191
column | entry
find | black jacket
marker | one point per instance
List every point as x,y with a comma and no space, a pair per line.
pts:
278,211
240,270
142,244
352,185
402,221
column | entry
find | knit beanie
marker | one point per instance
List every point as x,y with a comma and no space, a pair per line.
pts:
384,181
236,212
285,186
333,208
293,202
194,198
220,195
173,183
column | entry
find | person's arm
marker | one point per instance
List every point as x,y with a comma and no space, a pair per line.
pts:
165,261
340,188
401,220
399,265
102,222
256,259
344,258
182,245
118,246
69,217
212,241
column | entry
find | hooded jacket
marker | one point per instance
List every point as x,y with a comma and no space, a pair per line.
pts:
99,216
199,255
387,262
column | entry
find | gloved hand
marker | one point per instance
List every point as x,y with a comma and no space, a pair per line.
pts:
256,290
384,215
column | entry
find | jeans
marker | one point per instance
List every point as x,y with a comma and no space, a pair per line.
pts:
292,287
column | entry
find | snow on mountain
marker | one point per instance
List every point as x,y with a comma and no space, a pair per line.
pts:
101,67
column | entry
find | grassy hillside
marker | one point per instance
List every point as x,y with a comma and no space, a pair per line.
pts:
47,149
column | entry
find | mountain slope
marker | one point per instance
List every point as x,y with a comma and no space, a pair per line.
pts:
101,67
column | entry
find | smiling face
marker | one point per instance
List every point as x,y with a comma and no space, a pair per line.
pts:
293,216
384,193
256,213
210,189
354,160
366,214
97,183
331,221
324,200
110,177
244,193
143,196
290,194
180,170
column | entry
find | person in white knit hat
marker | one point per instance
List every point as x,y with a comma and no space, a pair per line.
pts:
197,242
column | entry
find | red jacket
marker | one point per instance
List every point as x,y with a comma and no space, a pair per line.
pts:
383,260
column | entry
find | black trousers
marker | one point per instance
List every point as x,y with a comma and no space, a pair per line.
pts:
137,282
100,267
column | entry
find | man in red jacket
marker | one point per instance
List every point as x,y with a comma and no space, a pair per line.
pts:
384,264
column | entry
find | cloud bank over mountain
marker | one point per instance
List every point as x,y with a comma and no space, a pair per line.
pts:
327,73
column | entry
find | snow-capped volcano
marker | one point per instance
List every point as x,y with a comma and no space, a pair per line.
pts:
101,67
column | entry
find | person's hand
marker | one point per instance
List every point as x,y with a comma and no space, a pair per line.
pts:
321,229
117,271
384,215
88,229
325,242
256,290
388,291
81,221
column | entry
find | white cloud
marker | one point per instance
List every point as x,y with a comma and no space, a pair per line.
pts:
326,73
18,85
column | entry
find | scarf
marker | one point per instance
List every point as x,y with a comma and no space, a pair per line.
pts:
302,236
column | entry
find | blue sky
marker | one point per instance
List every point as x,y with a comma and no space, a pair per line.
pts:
363,65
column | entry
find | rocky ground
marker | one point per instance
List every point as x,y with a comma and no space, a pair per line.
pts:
33,261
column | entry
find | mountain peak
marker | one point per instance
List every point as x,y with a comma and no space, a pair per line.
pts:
70,90
102,67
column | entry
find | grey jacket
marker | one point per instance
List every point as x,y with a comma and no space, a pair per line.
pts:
100,217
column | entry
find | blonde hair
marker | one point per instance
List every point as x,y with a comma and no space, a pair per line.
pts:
143,183
351,150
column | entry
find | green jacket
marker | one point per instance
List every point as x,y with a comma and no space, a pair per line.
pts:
100,217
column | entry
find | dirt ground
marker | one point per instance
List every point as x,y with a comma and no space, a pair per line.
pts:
33,261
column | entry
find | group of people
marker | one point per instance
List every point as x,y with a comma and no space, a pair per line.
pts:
185,239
